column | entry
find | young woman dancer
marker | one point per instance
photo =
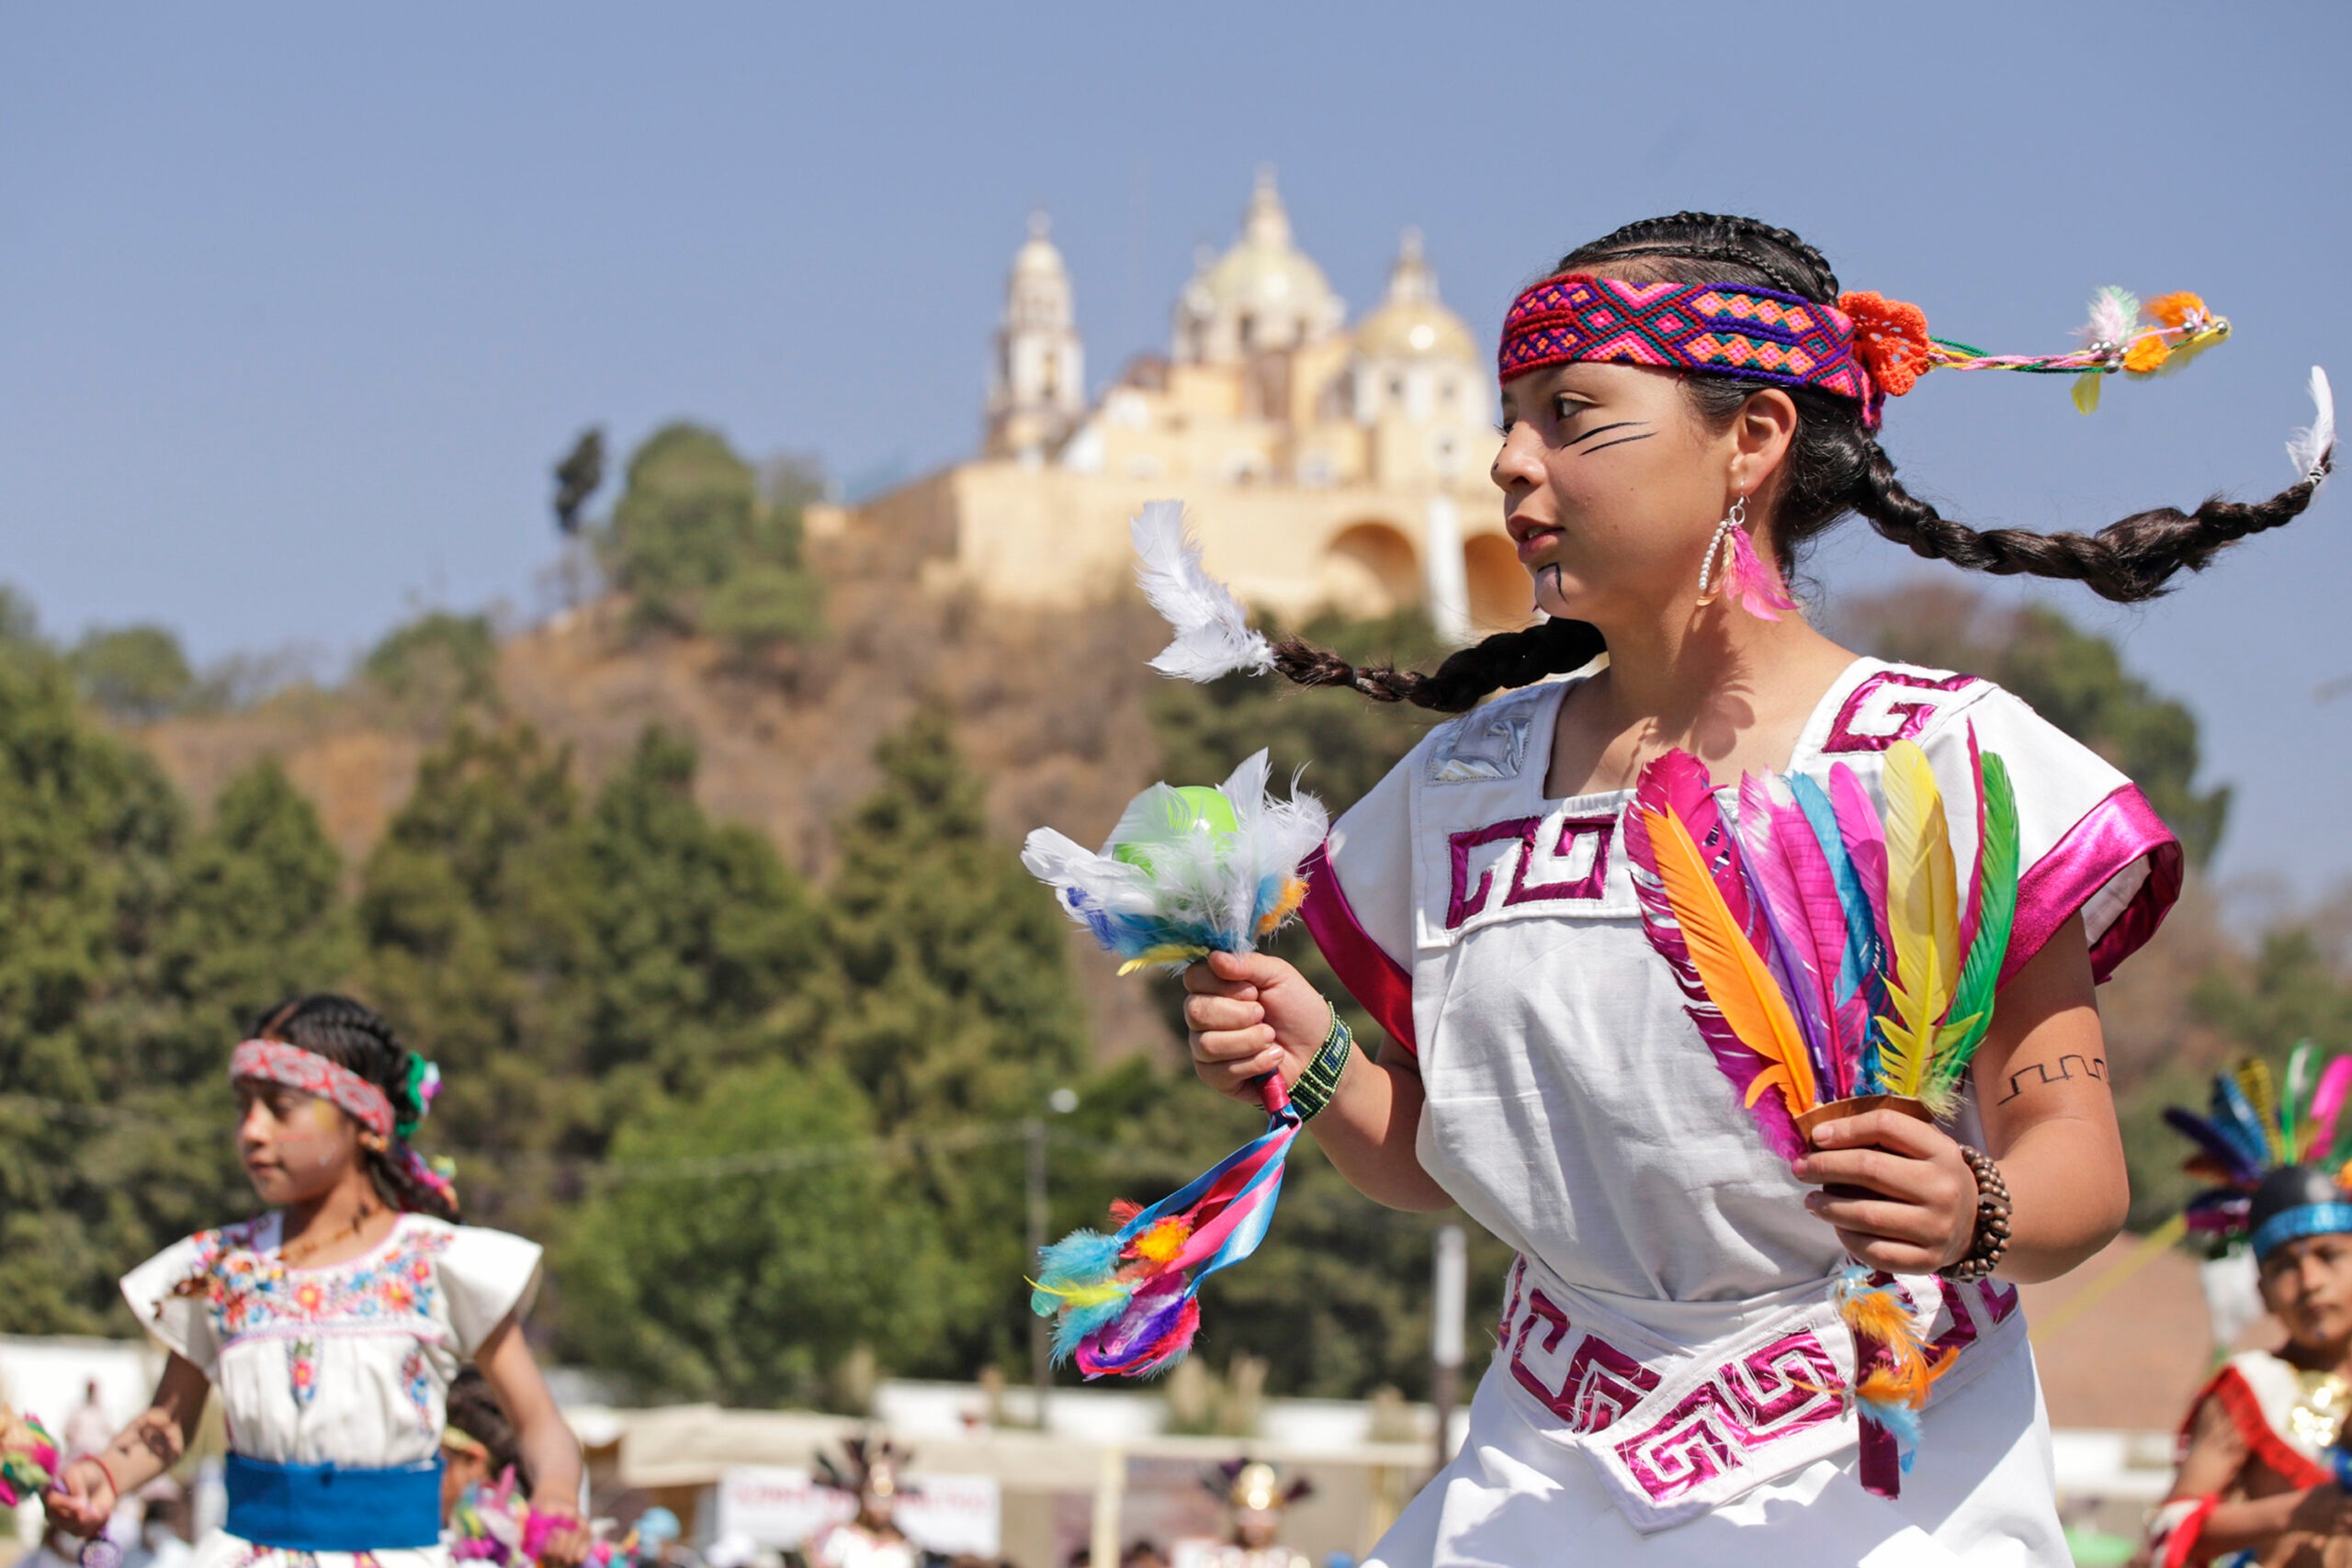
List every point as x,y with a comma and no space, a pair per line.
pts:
333,1323
1684,402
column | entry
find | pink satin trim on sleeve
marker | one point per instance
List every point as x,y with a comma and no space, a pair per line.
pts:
1378,982
2120,830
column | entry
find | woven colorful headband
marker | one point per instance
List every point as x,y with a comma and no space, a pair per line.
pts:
1865,347
274,1061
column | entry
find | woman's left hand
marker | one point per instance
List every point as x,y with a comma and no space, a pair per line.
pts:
1903,1199
562,1539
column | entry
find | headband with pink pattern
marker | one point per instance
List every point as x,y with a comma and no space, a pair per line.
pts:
1864,347
274,1061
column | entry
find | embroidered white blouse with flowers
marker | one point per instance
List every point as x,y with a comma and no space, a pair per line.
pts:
349,1364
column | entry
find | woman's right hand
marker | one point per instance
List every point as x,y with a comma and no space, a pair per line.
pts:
1250,1015
82,1500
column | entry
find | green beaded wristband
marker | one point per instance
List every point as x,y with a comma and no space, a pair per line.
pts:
1321,1081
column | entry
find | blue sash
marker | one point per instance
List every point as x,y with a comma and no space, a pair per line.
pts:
318,1508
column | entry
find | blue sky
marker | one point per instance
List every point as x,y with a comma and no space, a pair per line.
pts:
298,303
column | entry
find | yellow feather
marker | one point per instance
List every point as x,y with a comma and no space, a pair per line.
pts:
1922,915
2254,1077
1736,978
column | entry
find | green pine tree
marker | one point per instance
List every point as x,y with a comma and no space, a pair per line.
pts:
710,1266
960,1013
89,829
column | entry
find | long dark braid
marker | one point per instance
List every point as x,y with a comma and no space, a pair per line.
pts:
352,1034
1834,465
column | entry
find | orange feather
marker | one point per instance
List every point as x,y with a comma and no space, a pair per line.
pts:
1737,979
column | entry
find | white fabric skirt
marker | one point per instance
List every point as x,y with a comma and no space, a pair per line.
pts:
1981,1494
221,1550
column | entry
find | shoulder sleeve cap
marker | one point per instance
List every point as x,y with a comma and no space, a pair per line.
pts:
2089,843
485,1277
1360,900
179,1319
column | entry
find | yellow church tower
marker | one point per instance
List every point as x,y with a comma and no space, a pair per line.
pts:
1322,465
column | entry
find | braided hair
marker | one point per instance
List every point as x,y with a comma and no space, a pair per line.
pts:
354,1035
1833,465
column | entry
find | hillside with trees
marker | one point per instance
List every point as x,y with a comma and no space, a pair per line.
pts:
704,892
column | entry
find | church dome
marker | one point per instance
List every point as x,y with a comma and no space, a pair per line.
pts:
1263,293
1038,257
1410,323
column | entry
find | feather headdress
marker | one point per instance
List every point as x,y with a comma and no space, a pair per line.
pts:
1824,952
1187,872
2254,1128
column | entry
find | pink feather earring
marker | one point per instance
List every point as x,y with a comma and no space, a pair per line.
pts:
1746,576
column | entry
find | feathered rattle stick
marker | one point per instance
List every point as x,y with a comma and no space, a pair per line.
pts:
27,1458
1831,967
1188,871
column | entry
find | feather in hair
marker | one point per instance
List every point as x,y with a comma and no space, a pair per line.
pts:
2312,448
1213,633
1769,1113
1994,894
1922,916
1735,973
2327,1104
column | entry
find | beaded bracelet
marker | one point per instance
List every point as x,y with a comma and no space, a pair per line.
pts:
1992,1238
1321,1081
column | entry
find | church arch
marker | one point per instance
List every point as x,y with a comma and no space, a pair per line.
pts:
1500,595
1370,570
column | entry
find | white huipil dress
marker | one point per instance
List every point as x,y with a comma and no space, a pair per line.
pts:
1665,1380
349,1364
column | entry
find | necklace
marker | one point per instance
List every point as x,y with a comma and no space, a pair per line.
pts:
293,1252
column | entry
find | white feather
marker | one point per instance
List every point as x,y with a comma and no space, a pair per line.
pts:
2312,448
2114,312
1213,635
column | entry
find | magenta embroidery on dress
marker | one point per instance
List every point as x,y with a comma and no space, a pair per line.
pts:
1601,1382
1522,831
1467,901
1864,723
1789,1386
1573,830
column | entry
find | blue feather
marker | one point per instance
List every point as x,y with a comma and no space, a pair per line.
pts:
2210,1140
2239,1123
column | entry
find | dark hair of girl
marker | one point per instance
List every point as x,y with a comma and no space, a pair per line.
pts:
352,1034
1834,466
475,1410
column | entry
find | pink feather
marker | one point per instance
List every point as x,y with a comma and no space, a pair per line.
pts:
1680,783
1668,785
1865,836
1785,863
1751,580
2327,1104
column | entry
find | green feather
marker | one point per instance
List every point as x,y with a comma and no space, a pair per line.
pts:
1971,1014
2295,1105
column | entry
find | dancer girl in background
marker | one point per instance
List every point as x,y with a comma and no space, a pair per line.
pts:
1685,409
478,1446
334,1325
2264,1472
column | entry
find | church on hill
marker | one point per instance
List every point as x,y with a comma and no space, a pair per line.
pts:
1322,463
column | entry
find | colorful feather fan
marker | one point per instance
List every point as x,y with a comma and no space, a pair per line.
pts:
1824,955
1187,872
27,1458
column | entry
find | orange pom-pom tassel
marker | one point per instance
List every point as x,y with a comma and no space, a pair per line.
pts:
1890,339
